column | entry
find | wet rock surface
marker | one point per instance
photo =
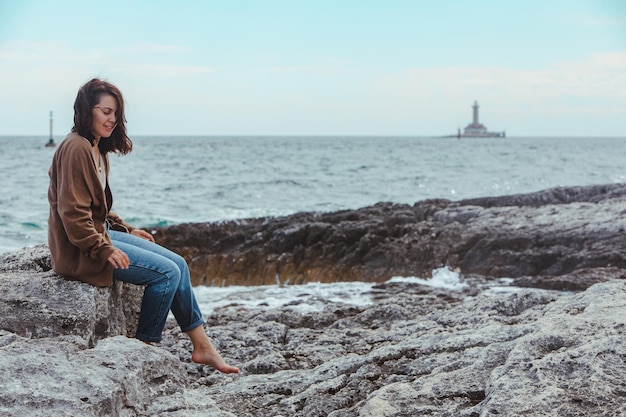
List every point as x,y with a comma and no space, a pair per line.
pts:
546,234
552,346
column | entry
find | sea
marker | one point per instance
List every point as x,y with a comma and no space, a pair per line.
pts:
167,180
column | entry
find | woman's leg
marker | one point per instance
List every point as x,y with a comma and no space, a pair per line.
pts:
166,273
161,278
151,265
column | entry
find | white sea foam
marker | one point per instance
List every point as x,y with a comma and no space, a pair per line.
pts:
444,278
502,286
304,298
309,297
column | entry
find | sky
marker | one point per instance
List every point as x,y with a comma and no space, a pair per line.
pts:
320,67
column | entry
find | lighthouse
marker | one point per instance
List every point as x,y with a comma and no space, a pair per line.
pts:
475,108
476,129
50,143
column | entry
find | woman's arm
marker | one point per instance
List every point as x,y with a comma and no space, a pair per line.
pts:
117,223
77,205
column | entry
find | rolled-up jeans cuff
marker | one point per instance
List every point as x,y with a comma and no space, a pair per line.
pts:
193,326
145,338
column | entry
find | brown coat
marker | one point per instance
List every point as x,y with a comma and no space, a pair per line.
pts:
79,244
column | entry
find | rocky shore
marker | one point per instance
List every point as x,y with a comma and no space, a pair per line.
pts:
536,238
539,330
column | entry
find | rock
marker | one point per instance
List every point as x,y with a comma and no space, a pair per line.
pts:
524,352
554,347
118,377
548,234
35,302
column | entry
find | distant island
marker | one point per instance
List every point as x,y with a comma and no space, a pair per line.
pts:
476,129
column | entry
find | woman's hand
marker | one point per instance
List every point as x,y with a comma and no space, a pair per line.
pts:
142,234
119,259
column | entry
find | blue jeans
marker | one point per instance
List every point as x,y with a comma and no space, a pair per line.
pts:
165,276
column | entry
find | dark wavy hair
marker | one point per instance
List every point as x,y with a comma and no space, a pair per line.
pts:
88,97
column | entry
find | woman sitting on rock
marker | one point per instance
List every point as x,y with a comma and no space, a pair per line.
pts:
91,244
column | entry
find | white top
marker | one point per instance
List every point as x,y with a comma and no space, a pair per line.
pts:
102,173
100,169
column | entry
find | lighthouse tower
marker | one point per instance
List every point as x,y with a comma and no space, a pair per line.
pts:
475,129
475,119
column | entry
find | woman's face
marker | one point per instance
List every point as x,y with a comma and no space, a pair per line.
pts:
103,116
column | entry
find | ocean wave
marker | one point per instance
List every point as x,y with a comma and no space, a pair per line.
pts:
443,278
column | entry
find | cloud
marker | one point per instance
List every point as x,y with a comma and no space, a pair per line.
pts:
30,67
600,76
323,67
170,72
595,20
151,59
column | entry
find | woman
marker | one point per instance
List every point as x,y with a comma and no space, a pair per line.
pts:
91,244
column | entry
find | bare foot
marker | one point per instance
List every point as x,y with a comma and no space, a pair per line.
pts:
205,353
210,356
